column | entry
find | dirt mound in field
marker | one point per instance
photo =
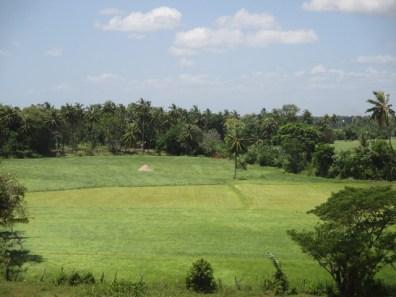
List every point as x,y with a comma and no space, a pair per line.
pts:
145,168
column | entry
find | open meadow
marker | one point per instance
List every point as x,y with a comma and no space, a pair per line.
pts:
101,214
345,145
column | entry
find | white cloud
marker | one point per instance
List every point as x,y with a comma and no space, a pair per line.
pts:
379,59
54,52
111,11
202,37
101,78
242,19
243,29
268,37
160,18
352,6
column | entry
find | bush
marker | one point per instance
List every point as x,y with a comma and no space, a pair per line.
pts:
118,289
75,278
61,279
200,277
88,278
279,283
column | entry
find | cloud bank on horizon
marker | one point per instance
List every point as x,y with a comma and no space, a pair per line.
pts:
384,7
244,58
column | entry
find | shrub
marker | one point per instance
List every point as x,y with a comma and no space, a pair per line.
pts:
61,279
75,279
118,289
200,277
88,278
279,283
128,289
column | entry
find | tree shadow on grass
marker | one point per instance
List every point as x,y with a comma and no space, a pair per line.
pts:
14,256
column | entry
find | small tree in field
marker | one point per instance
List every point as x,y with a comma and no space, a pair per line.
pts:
200,277
234,140
12,211
355,239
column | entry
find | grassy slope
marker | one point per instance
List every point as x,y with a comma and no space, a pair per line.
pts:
156,229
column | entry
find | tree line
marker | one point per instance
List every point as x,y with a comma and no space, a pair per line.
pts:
283,137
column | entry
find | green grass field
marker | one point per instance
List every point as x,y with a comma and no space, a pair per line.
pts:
100,214
345,145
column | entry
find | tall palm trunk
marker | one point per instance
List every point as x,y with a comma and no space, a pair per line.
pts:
235,164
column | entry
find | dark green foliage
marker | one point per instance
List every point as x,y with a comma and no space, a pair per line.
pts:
294,155
323,159
88,278
75,278
12,211
298,143
355,239
307,137
279,283
61,278
374,161
263,154
200,277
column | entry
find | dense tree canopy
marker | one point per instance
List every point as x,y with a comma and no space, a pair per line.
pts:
355,239
282,137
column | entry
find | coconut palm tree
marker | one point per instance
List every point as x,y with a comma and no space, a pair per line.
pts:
129,138
234,140
381,111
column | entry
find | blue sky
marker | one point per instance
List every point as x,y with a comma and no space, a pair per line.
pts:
323,55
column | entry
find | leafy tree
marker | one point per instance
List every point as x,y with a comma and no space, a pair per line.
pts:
211,143
307,117
355,239
200,277
294,155
234,140
307,136
381,111
190,138
12,211
323,159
